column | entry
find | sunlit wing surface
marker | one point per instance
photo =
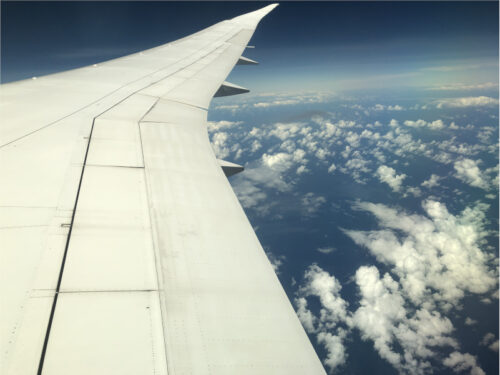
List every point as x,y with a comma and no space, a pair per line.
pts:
124,249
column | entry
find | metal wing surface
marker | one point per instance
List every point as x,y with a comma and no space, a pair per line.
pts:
123,247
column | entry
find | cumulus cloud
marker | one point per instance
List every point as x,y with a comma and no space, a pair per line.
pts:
332,168
470,322
486,134
312,203
334,144
280,161
494,346
284,131
460,362
433,181
470,101
381,107
388,175
468,171
382,317
256,146
330,326
435,258
490,341
276,261
335,349
380,303
438,257
268,173
435,125
306,317
220,145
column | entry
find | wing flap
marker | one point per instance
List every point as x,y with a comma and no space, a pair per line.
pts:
84,335
110,247
215,274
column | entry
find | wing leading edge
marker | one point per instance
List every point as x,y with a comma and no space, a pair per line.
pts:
126,250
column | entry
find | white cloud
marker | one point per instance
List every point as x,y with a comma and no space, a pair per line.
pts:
380,303
394,123
415,191
460,362
256,146
437,258
268,172
468,171
415,124
329,326
280,161
276,261
388,175
485,134
322,153
273,99
326,250
433,181
494,346
335,349
326,287
284,131
219,144
381,317
471,101
217,125
301,169
275,103
306,317
250,194
470,321
261,175
357,163
395,108
231,107
450,68
435,125
332,168
490,341
312,203
463,86
381,107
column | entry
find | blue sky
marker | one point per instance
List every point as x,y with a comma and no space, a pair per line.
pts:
314,45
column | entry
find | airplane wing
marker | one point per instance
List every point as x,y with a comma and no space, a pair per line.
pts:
123,247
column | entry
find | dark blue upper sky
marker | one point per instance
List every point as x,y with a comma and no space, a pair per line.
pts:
327,45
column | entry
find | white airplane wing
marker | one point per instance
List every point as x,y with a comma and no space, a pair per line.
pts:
123,247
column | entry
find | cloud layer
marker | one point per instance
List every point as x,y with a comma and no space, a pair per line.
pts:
434,261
